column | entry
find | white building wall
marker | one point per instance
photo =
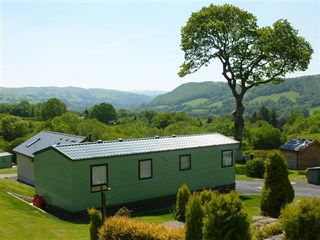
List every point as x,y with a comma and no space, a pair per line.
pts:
25,169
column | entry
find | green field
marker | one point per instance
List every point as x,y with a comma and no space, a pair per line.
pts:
8,170
196,102
19,220
275,97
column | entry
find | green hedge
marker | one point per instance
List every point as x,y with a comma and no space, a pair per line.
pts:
115,228
255,168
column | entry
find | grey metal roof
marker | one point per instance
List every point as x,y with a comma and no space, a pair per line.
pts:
5,154
45,139
101,149
296,144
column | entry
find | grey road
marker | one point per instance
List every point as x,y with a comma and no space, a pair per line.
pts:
255,187
8,175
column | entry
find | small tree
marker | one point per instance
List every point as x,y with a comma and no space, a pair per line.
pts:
95,222
226,219
277,190
264,136
194,216
181,202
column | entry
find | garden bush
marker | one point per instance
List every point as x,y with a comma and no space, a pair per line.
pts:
117,227
124,212
255,168
206,195
194,216
95,222
226,218
301,221
181,203
277,190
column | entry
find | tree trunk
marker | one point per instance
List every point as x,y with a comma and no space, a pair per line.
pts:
238,125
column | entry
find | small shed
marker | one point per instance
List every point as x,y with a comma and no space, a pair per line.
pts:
25,151
5,160
139,173
301,153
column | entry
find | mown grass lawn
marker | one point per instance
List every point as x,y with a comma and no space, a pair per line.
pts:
294,175
12,170
158,217
22,221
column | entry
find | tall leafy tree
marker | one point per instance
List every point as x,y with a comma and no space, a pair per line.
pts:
250,55
12,127
22,109
52,108
104,112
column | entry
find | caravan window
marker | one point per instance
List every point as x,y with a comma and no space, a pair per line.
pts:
185,162
227,158
145,169
99,178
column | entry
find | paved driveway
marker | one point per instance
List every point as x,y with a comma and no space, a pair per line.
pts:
8,175
255,187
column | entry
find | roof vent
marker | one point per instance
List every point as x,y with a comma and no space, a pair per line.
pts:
173,135
99,141
120,140
156,137
33,142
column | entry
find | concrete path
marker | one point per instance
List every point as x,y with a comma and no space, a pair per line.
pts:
13,175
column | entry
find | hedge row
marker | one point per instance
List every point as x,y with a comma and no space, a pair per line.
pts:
118,227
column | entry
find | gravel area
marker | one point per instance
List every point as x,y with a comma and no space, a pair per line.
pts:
174,224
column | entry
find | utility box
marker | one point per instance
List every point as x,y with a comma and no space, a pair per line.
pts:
5,160
314,175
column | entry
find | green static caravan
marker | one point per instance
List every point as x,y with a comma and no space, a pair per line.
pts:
141,174
5,160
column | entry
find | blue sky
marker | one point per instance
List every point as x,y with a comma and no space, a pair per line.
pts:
123,45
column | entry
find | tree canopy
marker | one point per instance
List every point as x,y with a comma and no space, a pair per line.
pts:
52,108
250,55
104,112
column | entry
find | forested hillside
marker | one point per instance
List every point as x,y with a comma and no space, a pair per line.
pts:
77,99
299,94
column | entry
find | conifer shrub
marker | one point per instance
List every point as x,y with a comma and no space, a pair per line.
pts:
255,168
124,212
277,190
301,221
194,216
206,195
117,227
181,202
226,218
95,222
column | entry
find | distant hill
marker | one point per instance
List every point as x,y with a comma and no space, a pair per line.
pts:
77,99
301,94
151,93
